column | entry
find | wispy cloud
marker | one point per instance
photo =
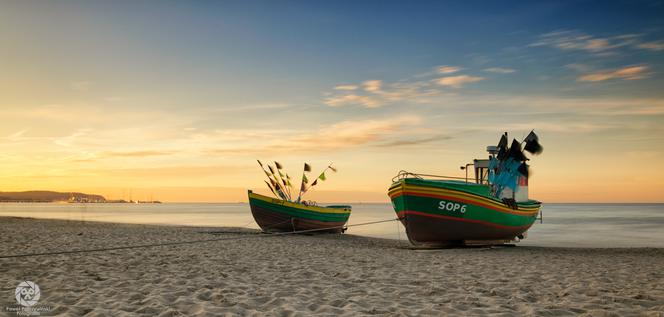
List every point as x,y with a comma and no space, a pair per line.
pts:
70,139
571,40
448,69
560,127
348,134
491,105
414,141
500,70
345,87
625,73
575,40
419,88
136,154
352,99
653,46
372,85
17,136
458,81
337,136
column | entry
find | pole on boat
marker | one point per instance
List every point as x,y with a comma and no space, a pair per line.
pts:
307,168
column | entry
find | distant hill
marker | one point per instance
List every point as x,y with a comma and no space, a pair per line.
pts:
49,196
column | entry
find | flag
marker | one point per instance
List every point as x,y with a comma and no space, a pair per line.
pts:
303,188
305,180
283,181
280,174
259,163
515,151
532,143
279,166
314,183
271,170
322,176
334,169
502,147
307,167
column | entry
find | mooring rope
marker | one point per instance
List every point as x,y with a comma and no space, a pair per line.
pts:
24,255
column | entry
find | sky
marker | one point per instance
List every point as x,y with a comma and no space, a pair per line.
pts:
175,100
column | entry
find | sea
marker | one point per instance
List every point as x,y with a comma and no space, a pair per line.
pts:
561,225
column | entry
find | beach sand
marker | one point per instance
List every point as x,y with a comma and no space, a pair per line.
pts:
328,275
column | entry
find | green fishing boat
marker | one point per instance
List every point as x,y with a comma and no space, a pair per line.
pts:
491,208
287,212
278,215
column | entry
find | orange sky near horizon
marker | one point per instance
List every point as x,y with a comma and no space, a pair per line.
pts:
100,98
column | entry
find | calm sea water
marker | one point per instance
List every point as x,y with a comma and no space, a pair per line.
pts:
570,225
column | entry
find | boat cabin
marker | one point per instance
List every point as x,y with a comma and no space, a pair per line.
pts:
481,167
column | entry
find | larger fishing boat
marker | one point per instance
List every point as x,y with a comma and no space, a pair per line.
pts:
491,208
290,213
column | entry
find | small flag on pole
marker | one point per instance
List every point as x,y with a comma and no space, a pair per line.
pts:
279,166
532,143
307,167
322,176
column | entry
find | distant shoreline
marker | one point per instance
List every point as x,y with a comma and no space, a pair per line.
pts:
81,202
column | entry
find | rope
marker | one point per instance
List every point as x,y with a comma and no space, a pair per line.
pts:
24,255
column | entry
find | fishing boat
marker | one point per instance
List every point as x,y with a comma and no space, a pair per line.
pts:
289,213
491,208
278,215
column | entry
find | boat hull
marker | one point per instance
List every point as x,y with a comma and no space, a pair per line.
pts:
449,212
276,215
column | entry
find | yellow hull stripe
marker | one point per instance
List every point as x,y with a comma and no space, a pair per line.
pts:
461,195
326,210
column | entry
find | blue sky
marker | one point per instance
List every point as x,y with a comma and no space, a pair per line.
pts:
211,85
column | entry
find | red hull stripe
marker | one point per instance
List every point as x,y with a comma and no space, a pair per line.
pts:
402,214
468,201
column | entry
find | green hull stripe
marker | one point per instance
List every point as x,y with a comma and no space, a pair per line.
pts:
431,205
299,213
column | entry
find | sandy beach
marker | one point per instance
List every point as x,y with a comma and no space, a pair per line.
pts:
254,274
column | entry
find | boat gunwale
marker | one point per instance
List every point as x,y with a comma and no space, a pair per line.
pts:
302,207
401,185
